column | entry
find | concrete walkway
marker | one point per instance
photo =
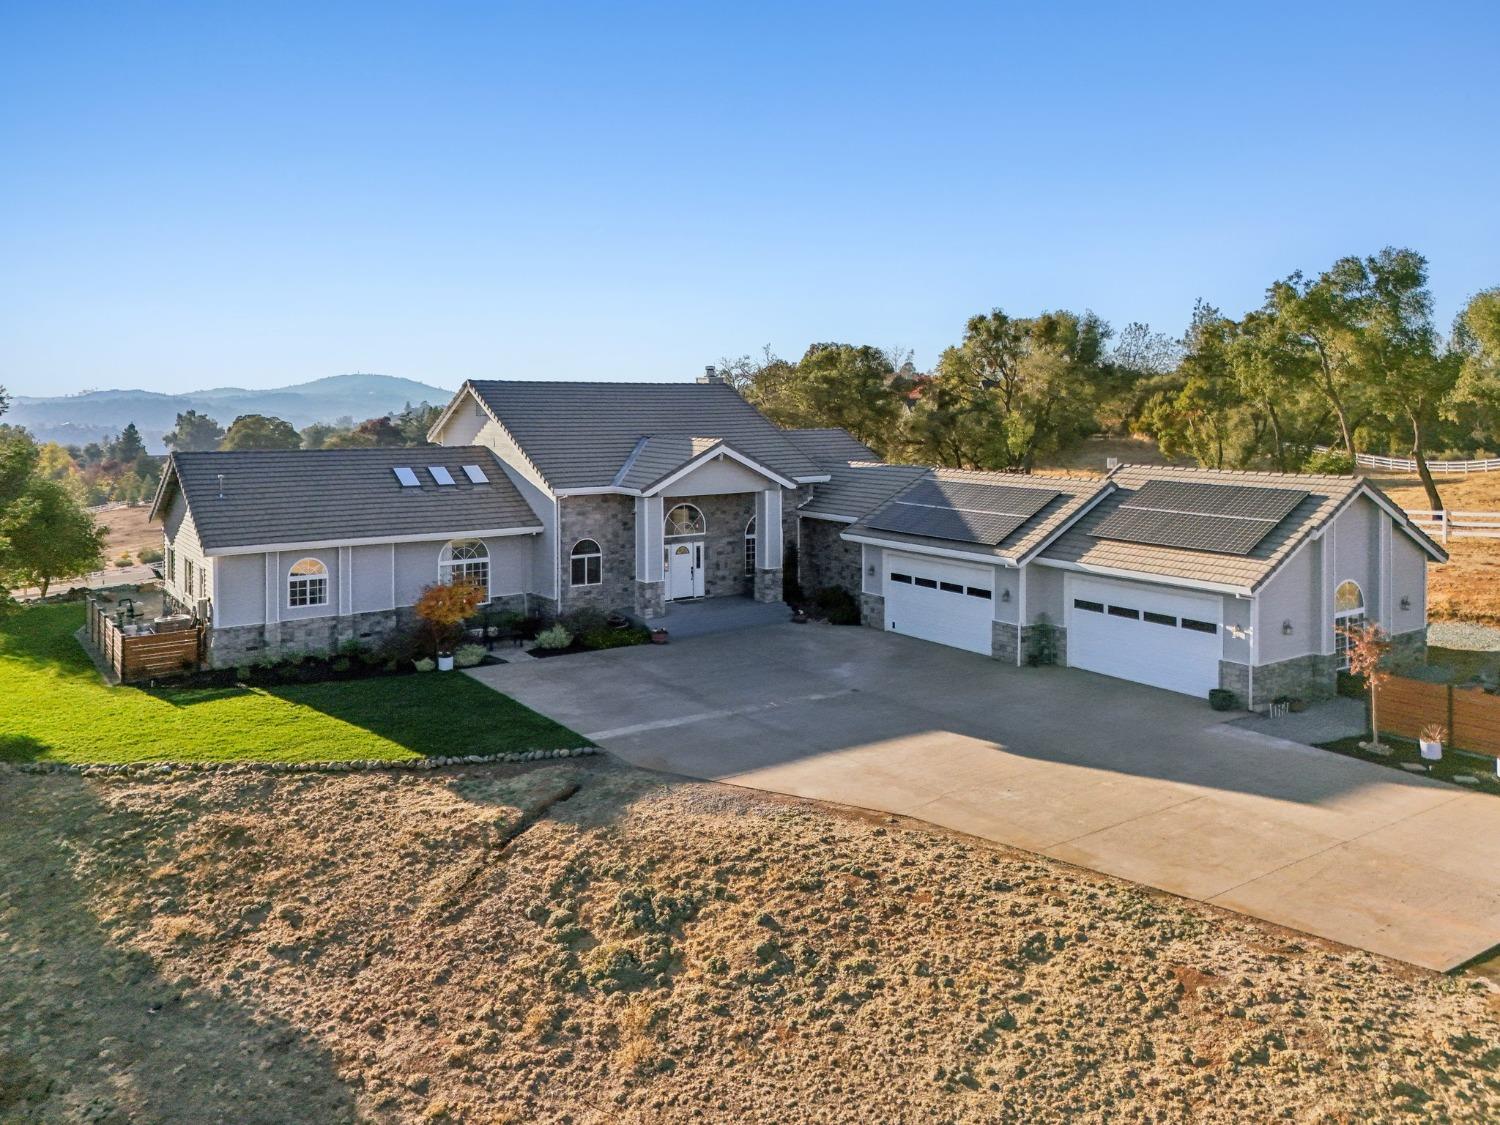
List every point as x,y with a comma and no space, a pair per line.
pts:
718,615
1143,784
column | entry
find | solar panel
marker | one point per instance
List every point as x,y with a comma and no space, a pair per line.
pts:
1229,519
440,474
475,474
962,512
407,478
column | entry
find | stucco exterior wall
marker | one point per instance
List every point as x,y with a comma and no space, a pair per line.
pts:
717,478
1044,595
1294,594
241,599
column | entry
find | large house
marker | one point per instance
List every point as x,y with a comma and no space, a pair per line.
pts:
630,497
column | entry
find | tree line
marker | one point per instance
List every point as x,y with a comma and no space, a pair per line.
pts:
1349,360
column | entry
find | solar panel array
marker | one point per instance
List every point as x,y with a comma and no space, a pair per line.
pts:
961,511
1228,519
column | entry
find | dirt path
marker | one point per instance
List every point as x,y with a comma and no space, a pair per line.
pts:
584,942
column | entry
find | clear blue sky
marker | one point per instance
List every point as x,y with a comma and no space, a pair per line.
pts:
206,194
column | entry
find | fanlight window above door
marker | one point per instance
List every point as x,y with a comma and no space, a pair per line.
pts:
685,519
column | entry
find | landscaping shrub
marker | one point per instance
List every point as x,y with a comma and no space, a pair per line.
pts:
467,656
149,555
426,664
581,622
555,637
1331,461
837,605
791,588
617,638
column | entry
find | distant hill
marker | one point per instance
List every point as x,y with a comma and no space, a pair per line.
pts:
95,415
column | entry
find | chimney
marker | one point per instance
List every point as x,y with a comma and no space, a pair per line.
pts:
221,485
711,375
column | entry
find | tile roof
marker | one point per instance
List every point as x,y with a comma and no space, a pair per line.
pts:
657,457
579,435
832,446
1069,496
1325,494
859,487
314,495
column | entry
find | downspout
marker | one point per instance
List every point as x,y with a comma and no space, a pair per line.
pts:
1020,612
1254,649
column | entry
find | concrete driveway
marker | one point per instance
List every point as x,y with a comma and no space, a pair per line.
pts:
1143,784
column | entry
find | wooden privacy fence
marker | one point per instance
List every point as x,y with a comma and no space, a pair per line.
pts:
1447,525
1471,714
141,656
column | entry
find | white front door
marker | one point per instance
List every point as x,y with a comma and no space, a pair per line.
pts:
941,601
1150,634
684,570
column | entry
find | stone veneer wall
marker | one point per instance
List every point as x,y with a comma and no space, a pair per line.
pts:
236,645
1314,676
1059,642
610,522
1005,640
1408,648
651,599
724,545
872,610
827,560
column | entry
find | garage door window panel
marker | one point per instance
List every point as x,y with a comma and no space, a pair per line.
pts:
927,583
1124,611
1092,607
1199,626
977,592
906,578
1160,618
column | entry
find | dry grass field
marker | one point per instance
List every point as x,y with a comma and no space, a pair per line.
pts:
585,943
129,532
1467,587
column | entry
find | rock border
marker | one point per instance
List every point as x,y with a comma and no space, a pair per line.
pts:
180,769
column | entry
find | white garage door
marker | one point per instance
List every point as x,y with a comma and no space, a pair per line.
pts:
1147,634
941,601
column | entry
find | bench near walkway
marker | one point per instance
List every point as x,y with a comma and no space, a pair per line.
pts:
1139,783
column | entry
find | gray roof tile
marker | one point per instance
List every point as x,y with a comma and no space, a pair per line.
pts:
857,488
578,435
830,447
313,495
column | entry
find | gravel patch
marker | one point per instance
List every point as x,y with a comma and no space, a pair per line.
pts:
578,941
1464,635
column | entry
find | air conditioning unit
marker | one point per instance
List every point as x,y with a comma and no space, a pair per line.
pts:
204,610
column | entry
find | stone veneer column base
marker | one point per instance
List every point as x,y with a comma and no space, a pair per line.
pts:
1311,677
650,599
1005,642
872,610
1059,642
768,584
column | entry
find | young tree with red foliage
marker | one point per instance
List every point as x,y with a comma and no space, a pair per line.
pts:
1368,647
443,607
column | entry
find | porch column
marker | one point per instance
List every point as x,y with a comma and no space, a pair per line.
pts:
650,582
768,545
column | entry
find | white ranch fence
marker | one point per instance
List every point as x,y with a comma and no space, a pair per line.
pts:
1447,525
1409,465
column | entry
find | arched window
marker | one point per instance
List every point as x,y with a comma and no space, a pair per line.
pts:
307,584
1348,613
750,548
685,519
588,563
466,560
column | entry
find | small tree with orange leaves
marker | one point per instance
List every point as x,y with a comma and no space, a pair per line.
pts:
1367,651
442,608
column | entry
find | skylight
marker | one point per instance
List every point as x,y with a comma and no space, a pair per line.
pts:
475,474
440,474
407,478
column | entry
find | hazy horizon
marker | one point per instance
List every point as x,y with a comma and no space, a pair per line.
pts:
198,198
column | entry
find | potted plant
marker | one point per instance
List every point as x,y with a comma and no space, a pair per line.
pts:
1298,706
1431,740
658,636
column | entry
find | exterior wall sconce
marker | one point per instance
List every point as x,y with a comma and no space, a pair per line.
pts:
870,570
1286,627
1005,595
1405,603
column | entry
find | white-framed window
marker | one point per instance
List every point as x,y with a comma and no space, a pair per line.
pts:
171,557
466,560
1348,613
187,577
587,561
685,519
307,584
750,548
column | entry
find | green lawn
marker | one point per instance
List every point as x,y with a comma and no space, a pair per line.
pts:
54,707
1405,750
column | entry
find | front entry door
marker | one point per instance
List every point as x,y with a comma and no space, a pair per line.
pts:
684,570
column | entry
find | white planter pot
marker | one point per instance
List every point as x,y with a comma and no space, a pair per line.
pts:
445,663
1432,751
